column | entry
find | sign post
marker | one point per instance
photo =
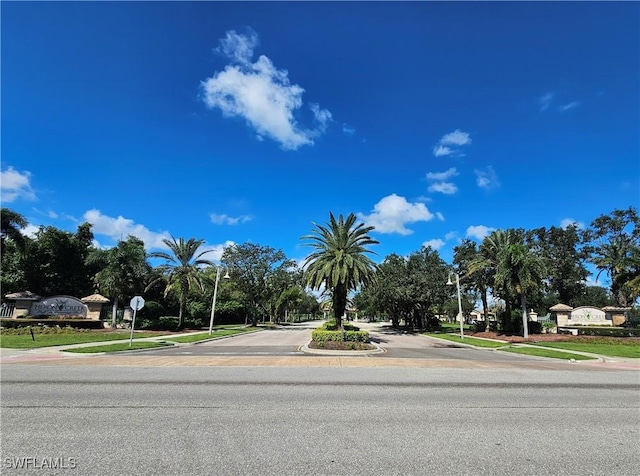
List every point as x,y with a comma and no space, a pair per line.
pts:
136,303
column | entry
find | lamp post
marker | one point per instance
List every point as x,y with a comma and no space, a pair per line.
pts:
459,303
215,295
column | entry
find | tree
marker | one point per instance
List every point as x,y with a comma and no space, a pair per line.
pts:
614,247
476,270
181,269
55,262
123,271
11,224
427,276
560,249
519,271
339,261
260,272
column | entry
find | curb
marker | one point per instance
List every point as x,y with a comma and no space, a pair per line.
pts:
307,350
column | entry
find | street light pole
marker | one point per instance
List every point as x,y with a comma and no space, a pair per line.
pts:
459,304
215,295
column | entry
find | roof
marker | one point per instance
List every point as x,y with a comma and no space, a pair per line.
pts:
95,298
561,307
615,308
23,296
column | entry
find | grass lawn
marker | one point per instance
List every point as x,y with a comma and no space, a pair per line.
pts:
24,341
621,349
205,335
117,347
469,340
454,326
554,354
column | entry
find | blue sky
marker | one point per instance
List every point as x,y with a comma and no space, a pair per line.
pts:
236,122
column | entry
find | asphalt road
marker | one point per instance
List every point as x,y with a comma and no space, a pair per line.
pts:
288,341
325,421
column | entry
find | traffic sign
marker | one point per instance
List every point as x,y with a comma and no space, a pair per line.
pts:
137,303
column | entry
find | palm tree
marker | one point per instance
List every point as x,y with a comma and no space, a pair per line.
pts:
181,270
123,270
339,261
519,271
10,224
618,258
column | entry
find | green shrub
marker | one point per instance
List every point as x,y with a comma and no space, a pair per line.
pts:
321,335
194,323
75,323
164,323
535,327
606,331
332,326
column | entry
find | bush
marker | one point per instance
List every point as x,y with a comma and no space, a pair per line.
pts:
321,335
51,322
194,323
151,311
332,326
606,331
535,327
164,323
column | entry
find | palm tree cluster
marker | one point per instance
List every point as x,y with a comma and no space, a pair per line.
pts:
522,268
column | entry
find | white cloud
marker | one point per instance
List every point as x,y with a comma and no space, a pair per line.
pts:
568,106
440,150
440,216
450,143
120,228
570,221
457,138
392,213
487,178
227,220
15,185
447,188
435,244
29,230
261,94
347,129
479,231
452,172
237,47
451,235
214,252
545,101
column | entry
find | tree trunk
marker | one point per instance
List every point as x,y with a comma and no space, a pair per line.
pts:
525,326
180,314
485,310
114,313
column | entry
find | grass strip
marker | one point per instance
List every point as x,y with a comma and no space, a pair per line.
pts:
24,341
628,350
469,340
205,336
120,347
539,352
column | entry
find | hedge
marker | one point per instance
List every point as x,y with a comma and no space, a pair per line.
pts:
51,322
605,331
321,335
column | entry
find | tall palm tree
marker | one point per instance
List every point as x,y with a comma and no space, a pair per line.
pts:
618,258
123,270
339,261
181,270
10,224
519,271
